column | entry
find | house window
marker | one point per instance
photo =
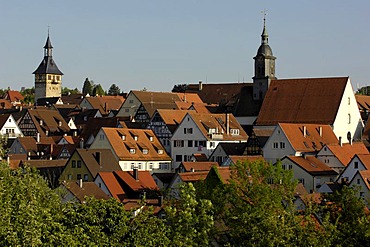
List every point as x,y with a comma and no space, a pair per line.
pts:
349,118
132,151
69,176
234,131
190,144
187,157
179,143
78,163
301,180
212,144
356,164
282,145
349,100
99,185
86,177
79,176
131,101
160,151
358,181
73,164
127,110
362,194
145,151
275,145
178,158
151,166
101,137
290,167
188,130
283,167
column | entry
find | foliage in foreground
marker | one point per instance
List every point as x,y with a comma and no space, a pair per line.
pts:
254,208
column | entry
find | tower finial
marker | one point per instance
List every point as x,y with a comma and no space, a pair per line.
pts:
48,30
264,32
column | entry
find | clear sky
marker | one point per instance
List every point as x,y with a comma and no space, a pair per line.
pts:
159,43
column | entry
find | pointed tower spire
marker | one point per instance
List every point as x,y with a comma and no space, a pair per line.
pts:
264,35
48,47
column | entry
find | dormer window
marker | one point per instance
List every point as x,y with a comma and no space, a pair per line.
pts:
160,151
41,122
123,138
145,151
211,131
132,150
234,131
135,138
151,138
60,123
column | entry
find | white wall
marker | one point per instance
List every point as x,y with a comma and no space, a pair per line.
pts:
272,154
342,125
130,106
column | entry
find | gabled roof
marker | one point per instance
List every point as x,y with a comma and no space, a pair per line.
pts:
146,140
156,97
172,118
363,102
30,143
233,148
3,119
106,103
200,157
190,97
312,165
151,107
98,160
347,151
308,100
365,160
52,121
72,99
93,126
14,96
112,185
218,122
365,175
48,66
5,104
87,189
198,166
145,180
45,163
164,177
193,176
311,140
215,93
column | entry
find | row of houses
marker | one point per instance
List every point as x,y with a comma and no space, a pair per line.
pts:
313,126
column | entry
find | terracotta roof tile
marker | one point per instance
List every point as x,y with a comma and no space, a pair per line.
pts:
5,104
14,96
309,100
87,189
45,163
52,121
365,160
312,140
112,185
218,122
144,181
193,176
347,151
242,158
225,174
106,103
365,175
312,165
199,166
122,147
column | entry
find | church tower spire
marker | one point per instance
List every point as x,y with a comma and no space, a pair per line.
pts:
48,78
264,65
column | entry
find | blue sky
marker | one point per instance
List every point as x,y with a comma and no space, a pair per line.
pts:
159,43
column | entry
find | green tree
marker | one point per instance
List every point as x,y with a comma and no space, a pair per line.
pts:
190,219
87,87
114,90
66,91
29,95
30,211
179,88
98,90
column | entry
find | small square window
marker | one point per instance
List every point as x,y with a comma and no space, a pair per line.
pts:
86,177
78,163
356,164
79,176
73,164
178,158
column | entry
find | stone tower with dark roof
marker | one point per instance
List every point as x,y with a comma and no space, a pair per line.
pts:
48,78
264,66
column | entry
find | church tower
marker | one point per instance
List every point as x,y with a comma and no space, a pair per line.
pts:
264,66
48,78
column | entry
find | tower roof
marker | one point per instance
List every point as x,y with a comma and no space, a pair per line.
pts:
47,65
264,49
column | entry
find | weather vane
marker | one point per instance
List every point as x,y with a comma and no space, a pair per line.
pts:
264,12
48,29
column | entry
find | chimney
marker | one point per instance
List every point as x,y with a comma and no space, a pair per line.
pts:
38,137
304,131
340,141
98,157
136,173
200,88
82,143
320,131
160,201
227,124
80,183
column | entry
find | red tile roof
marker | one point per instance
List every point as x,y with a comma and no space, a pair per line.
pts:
365,160
112,185
347,151
365,175
144,181
87,189
312,165
311,140
193,176
308,100
106,103
242,158
199,166
14,96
